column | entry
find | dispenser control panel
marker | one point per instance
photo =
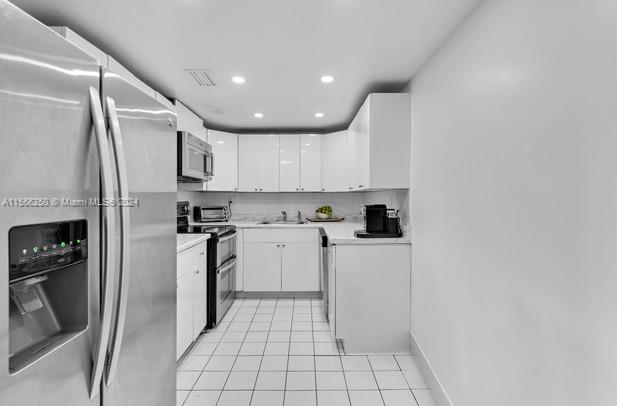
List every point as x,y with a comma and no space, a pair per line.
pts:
39,248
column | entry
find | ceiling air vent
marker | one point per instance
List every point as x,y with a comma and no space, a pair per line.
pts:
203,77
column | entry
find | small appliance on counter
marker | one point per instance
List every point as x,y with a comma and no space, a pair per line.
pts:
204,214
380,222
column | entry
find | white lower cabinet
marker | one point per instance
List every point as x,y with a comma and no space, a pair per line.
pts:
282,260
299,260
372,288
184,314
262,267
200,304
191,305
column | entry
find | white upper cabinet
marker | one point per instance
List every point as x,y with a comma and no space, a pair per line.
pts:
359,146
289,163
189,121
380,143
310,163
258,163
225,149
335,162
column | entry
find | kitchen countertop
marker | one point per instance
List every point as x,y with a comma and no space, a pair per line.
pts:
186,241
338,233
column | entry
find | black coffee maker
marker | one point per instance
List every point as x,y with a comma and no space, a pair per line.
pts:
379,222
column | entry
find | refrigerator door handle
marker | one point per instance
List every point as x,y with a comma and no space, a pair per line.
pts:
123,288
107,266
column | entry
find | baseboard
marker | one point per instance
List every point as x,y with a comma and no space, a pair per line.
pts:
437,390
270,295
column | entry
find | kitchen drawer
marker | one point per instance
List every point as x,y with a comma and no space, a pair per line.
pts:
191,258
280,235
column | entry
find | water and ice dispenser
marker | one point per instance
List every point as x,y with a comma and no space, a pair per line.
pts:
48,288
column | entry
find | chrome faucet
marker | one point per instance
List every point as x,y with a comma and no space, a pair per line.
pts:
284,214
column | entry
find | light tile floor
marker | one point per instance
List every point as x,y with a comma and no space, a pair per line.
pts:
279,352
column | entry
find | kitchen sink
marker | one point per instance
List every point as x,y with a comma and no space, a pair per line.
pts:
282,222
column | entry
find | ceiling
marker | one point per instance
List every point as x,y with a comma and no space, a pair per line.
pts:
281,47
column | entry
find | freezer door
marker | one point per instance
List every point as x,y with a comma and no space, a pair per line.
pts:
145,370
47,151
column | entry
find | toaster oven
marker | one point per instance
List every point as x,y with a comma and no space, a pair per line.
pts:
204,214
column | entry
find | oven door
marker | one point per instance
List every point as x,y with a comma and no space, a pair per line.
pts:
225,249
225,283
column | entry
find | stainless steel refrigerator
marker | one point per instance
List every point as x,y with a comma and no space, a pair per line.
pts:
87,288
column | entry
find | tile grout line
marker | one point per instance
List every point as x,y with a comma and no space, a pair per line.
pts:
203,370
291,324
272,313
314,352
263,352
237,354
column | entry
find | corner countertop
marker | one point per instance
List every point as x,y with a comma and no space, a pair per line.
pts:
186,241
338,233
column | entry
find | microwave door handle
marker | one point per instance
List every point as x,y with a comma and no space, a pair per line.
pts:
124,270
107,266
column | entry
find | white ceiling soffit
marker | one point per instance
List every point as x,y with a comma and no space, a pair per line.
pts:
281,47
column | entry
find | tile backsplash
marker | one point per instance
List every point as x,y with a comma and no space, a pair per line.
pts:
257,204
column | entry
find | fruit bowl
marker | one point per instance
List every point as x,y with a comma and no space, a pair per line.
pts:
322,215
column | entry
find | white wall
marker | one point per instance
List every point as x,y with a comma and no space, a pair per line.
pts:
514,205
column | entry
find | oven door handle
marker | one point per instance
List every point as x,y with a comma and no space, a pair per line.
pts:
227,267
227,238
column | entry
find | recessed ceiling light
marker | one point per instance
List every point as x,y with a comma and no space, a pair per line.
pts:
238,80
327,79
318,115
258,115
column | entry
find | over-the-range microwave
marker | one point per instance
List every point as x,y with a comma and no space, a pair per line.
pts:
195,159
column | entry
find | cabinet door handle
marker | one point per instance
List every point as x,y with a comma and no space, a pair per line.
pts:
202,253
283,245
278,245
